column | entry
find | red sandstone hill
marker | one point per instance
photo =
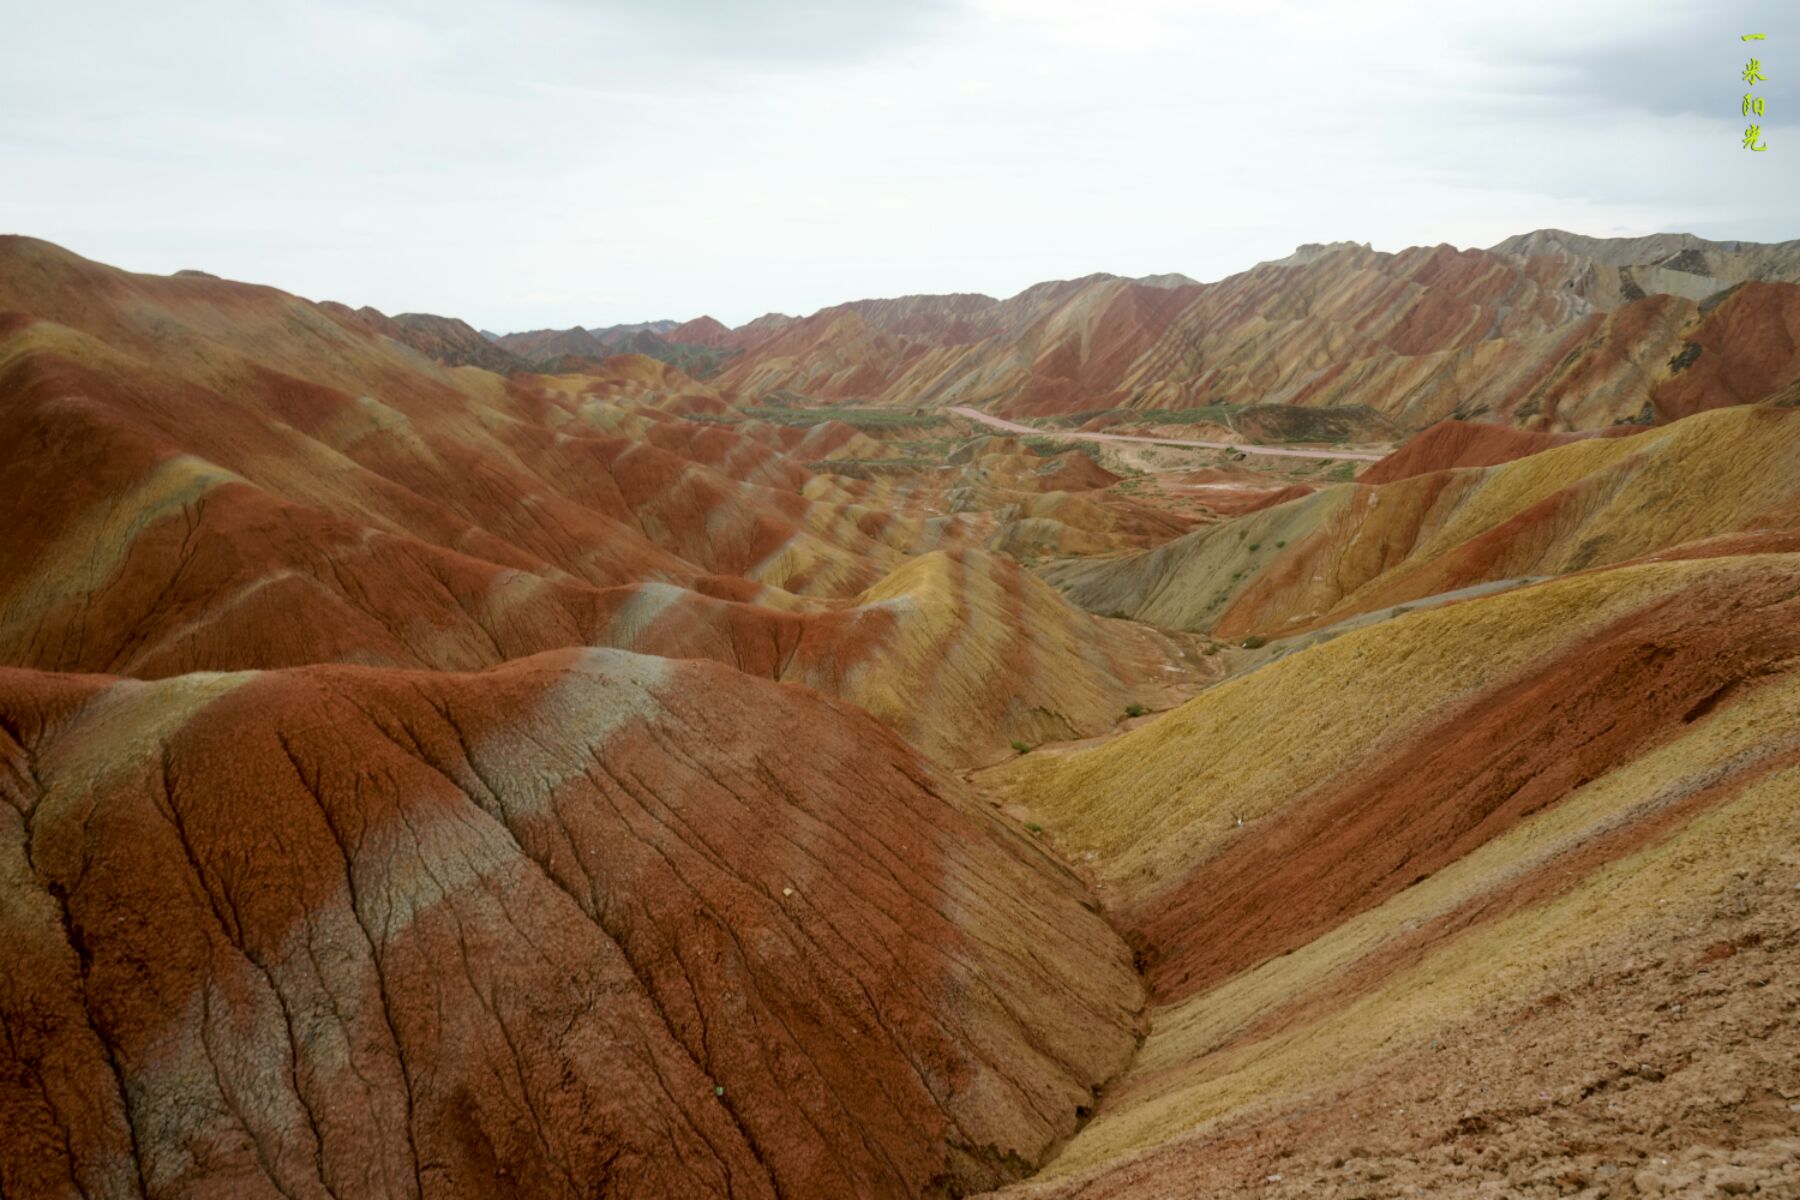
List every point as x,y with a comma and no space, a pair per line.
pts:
1549,338
418,780
615,335
544,345
588,923
700,348
1725,481
755,331
445,339
701,331
1489,898
244,480
1473,444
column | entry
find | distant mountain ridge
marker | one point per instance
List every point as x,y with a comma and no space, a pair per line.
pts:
1626,251
446,339
540,345
574,349
614,334
1547,330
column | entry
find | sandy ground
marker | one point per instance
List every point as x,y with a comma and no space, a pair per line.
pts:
1242,447
1666,1062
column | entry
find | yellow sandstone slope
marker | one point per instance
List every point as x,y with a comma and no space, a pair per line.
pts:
1472,829
1353,549
967,653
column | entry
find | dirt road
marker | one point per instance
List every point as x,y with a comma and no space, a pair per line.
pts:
1074,436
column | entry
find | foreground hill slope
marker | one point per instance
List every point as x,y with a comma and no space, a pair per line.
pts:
1422,829
589,920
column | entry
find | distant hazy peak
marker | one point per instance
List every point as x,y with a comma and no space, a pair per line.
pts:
1619,252
701,331
615,332
1313,251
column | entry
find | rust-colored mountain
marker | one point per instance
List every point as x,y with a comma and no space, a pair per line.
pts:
701,331
445,339
547,345
222,513
1348,551
1551,331
588,923
443,766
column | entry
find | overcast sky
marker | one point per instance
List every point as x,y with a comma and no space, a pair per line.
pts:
561,162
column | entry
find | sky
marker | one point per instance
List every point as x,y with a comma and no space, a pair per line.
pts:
548,163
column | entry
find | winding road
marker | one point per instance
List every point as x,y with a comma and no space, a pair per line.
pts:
1075,436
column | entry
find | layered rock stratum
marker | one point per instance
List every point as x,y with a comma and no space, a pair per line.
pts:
440,765
1552,330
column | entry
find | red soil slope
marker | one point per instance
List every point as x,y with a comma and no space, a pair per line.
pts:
1459,893
1450,444
1747,348
588,921
1502,755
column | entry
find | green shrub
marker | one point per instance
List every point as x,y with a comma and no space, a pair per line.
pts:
1034,827
1020,746
1280,545
1255,642
1134,710
1256,545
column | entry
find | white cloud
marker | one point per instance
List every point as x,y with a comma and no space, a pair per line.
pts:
558,163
